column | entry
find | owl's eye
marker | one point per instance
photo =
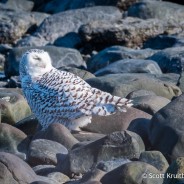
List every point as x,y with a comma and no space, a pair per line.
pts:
37,58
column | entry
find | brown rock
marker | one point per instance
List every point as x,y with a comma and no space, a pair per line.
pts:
117,122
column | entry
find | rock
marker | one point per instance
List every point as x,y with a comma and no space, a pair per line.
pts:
58,133
13,141
167,123
60,6
79,72
42,151
87,136
174,174
60,56
94,175
122,144
17,5
130,66
59,177
141,126
150,104
15,171
50,29
115,53
123,84
171,61
70,40
116,122
13,25
156,159
157,9
28,125
13,107
110,165
133,173
139,93
130,32
44,170
2,61
163,42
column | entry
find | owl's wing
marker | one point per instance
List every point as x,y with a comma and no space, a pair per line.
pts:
71,97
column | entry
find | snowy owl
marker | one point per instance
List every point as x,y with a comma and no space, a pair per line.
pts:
62,97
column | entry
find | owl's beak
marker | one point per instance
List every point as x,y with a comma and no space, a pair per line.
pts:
42,65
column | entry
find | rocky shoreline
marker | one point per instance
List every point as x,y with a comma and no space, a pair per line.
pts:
129,48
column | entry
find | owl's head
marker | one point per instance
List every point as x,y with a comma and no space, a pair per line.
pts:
35,63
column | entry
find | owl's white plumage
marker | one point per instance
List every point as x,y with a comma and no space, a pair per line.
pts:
62,97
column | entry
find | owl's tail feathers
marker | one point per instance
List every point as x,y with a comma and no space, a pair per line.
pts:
112,106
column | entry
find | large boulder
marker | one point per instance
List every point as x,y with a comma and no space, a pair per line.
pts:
166,124
61,57
123,84
131,32
13,107
116,53
13,141
124,144
171,60
130,66
50,29
14,170
17,5
58,133
13,25
46,152
134,173
116,122
157,9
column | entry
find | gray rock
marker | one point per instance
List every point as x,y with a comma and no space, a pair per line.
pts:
157,9
175,169
70,40
42,151
150,104
79,72
13,141
123,144
123,84
116,122
28,125
111,164
133,173
13,107
130,66
13,25
56,6
156,159
59,177
166,124
44,170
131,32
15,171
17,5
171,61
50,29
2,61
94,175
58,133
87,136
139,93
115,53
61,57
141,126
163,42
